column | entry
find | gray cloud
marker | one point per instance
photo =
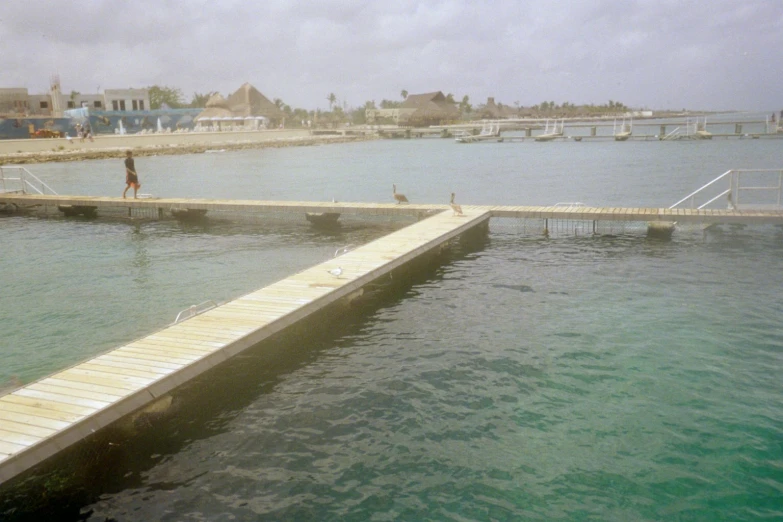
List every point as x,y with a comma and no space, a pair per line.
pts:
719,54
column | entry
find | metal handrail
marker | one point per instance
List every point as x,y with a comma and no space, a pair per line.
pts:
195,310
343,250
693,194
672,133
24,181
735,188
724,193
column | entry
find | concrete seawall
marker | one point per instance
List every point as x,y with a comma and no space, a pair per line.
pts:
61,149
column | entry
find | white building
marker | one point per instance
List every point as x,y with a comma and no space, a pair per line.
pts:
126,99
17,102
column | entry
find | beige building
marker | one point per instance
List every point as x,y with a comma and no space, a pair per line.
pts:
18,102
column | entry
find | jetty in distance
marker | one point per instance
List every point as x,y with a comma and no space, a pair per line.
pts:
623,129
47,417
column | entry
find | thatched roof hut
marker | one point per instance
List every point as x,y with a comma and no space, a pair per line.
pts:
245,102
216,108
430,108
248,101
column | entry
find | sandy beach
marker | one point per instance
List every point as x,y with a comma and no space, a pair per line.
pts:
63,149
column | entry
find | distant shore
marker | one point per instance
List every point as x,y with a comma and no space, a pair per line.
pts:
16,152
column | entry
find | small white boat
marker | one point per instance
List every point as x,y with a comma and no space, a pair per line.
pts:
550,134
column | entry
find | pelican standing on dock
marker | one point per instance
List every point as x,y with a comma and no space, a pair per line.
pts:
399,197
456,208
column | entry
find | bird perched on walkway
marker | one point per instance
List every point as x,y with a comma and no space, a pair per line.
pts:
399,197
336,272
456,208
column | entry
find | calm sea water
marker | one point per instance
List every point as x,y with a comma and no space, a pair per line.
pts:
579,378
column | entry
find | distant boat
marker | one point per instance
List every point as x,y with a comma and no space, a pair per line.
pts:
700,130
624,131
488,131
550,134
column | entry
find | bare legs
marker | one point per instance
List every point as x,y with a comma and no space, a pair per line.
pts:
135,189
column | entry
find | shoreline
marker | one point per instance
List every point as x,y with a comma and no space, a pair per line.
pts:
61,150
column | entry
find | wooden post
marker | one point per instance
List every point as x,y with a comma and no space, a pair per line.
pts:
738,128
593,131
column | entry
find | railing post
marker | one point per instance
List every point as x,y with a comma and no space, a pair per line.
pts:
780,185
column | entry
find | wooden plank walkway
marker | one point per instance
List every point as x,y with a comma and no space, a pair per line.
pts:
217,205
679,215
49,415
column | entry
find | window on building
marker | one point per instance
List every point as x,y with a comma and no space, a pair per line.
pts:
141,105
97,104
135,105
122,105
71,105
44,105
115,105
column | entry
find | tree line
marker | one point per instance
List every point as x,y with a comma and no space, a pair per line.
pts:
340,113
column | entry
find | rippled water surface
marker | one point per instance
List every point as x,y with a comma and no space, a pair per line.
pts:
579,378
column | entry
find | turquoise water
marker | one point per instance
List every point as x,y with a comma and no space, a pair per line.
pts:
578,378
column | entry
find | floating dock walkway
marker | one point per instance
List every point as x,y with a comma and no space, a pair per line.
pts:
45,417
49,415
162,206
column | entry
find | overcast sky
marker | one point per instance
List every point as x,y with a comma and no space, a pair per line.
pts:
657,54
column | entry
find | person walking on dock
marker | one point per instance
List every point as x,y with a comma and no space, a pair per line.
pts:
131,178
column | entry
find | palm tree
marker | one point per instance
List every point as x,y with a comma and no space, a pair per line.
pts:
404,94
332,99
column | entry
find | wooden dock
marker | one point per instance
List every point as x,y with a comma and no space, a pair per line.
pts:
43,418
580,213
47,416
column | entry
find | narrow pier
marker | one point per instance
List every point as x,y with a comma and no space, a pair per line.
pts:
47,416
578,213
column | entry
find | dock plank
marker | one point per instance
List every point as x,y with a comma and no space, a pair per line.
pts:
20,425
37,416
47,408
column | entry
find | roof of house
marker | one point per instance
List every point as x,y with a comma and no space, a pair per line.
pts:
431,104
415,101
248,101
216,108
216,100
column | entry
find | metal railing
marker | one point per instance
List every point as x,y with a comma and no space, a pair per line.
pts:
22,182
766,197
195,310
671,135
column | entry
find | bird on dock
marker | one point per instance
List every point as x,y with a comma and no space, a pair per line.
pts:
399,197
456,208
336,272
